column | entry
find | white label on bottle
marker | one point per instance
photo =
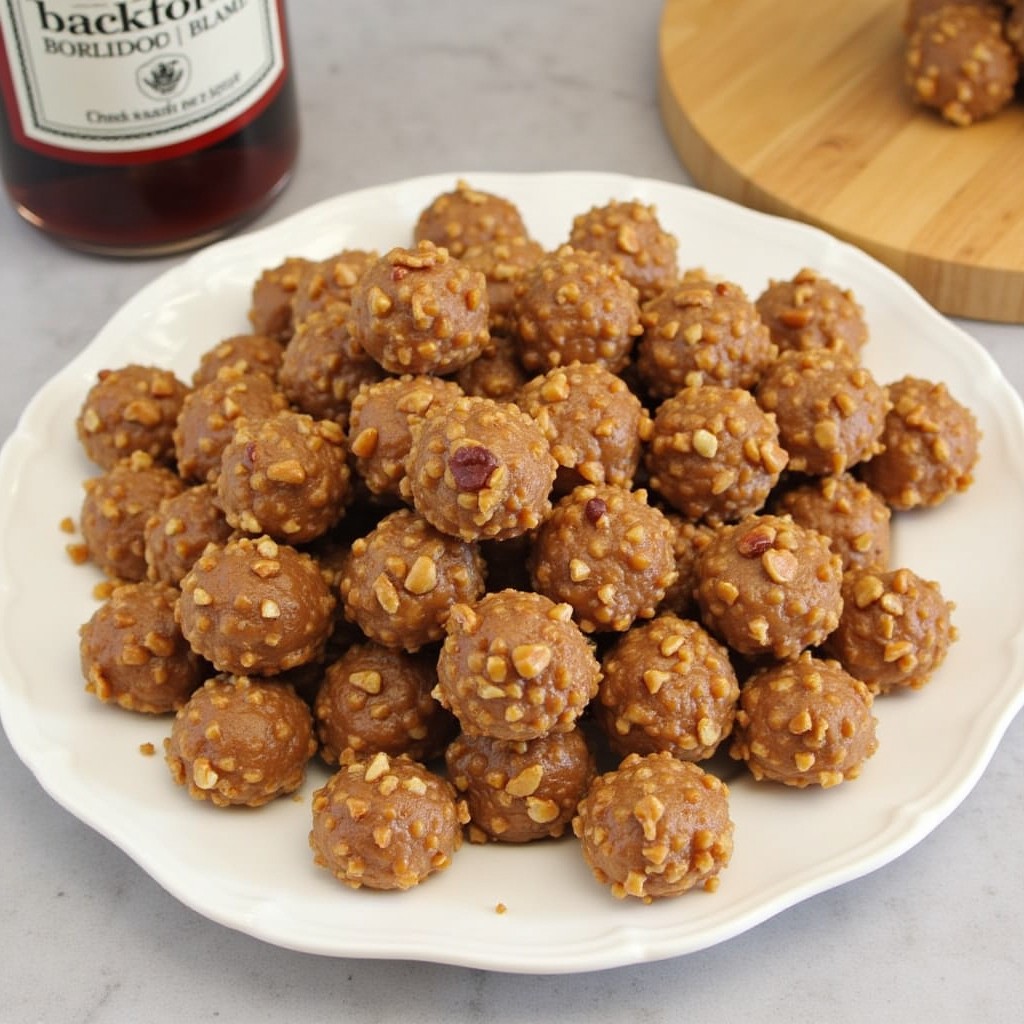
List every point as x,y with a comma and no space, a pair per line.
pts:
98,77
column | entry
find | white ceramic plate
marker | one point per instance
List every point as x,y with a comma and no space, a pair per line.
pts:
253,871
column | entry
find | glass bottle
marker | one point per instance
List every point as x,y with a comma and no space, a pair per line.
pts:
144,127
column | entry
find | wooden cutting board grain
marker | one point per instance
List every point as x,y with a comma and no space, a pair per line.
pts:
798,107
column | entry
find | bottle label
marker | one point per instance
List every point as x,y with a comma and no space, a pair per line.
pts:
136,80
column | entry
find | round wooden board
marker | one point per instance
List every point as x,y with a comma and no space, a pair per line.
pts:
798,107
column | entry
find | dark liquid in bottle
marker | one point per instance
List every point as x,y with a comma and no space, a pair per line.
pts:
161,207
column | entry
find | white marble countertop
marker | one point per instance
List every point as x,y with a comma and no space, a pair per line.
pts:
388,91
